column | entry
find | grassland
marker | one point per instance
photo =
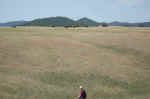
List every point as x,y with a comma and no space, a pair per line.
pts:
51,63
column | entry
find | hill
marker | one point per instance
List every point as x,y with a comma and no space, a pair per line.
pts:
64,21
117,23
61,21
143,24
52,21
13,23
87,22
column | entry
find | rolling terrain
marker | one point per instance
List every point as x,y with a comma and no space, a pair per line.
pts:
60,21
13,23
51,63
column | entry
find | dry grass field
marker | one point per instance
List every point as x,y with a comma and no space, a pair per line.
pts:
51,63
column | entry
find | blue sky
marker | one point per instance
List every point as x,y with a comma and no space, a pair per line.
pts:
99,10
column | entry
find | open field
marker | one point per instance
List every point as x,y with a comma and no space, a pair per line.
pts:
51,63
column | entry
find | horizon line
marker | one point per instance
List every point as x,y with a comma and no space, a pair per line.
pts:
75,19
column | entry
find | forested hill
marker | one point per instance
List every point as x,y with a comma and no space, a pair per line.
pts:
61,21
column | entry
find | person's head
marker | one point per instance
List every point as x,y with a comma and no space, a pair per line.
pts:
81,87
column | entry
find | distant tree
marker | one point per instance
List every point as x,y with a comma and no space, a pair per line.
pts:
13,26
127,25
141,25
74,26
104,25
86,26
67,26
53,26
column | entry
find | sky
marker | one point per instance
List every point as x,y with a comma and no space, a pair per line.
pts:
99,10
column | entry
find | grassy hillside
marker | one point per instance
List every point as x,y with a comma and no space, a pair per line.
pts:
51,63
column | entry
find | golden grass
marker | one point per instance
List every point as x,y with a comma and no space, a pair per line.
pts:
44,62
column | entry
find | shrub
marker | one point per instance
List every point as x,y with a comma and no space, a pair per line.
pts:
104,25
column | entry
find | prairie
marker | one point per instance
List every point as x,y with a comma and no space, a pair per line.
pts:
51,63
